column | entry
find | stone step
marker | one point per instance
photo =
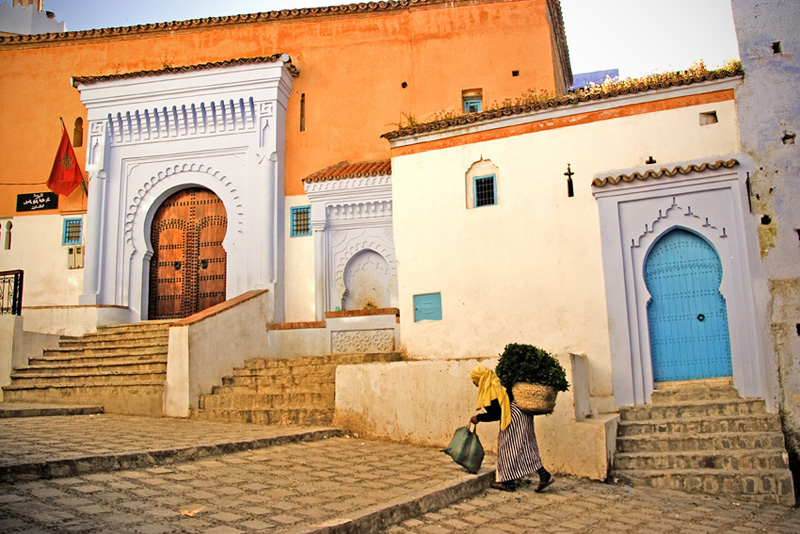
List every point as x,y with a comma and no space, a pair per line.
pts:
331,359
740,459
266,389
88,378
112,367
113,342
264,401
105,352
278,380
121,397
680,410
693,394
773,485
723,441
126,328
297,416
701,425
99,360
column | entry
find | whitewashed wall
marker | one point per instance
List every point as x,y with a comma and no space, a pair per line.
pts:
528,270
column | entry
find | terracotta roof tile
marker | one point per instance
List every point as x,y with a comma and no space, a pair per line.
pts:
555,102
664,172
345,169
88,80
228,20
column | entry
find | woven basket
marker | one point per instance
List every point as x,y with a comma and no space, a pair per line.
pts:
534,399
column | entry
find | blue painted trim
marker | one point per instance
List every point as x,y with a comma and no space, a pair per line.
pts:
67,223
295,211
475,190
428,307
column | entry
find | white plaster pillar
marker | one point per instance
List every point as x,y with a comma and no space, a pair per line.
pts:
318,224
95,213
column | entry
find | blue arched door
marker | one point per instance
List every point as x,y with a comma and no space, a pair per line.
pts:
686,315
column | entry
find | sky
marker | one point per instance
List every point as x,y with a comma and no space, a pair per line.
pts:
638,37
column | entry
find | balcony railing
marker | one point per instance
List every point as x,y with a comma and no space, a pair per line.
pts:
11,292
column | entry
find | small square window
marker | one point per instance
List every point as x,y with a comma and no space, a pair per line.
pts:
484,191
72,232
428,307
301,221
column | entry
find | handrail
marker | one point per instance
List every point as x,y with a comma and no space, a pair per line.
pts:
11,292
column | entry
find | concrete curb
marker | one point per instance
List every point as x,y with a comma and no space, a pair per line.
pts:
116,462
381,516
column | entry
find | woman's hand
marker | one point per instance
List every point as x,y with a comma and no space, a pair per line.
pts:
474,419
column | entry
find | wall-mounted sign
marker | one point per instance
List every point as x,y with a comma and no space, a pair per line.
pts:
37,201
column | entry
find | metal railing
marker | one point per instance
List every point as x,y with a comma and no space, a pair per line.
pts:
11,292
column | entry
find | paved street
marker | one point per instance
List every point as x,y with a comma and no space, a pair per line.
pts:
105,473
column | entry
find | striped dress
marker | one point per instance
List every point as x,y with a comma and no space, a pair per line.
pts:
517,450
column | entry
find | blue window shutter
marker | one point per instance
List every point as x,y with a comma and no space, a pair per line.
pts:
301,221
428,307
72,231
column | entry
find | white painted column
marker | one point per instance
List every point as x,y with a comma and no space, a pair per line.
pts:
95,213
318,224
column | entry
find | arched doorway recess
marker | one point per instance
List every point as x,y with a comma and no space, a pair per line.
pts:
188,267
687,315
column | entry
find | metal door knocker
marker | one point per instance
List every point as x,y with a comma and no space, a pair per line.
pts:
203,264
701,317
177,265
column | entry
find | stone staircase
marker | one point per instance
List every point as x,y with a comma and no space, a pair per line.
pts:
121,367
286,391
704,438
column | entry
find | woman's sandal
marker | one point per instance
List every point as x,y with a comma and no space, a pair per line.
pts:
502,486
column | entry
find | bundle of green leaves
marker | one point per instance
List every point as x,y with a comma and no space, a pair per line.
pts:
526,363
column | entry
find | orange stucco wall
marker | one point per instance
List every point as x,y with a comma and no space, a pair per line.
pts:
351,71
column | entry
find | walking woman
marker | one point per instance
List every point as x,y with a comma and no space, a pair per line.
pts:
517,450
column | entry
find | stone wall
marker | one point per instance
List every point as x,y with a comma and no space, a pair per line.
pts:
769,119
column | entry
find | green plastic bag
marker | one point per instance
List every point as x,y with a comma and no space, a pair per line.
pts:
466,449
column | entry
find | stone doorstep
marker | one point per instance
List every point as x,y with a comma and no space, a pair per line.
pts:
729,423
692,409
727,441
773,485
111,350
739,459
329,359
670,396
150,458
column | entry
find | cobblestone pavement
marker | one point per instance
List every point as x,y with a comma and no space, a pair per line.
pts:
579,505
25,440
335,485
295,487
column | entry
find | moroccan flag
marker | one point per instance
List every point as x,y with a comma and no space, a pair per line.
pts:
66,175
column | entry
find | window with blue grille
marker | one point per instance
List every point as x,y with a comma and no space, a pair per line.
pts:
428,307
484,191
301,221
72,231
472,105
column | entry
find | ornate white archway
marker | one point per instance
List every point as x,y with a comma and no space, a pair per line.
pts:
215,126
638,206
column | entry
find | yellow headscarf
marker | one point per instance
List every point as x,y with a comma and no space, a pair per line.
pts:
490,388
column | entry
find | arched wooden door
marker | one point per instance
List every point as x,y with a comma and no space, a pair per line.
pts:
187,271
687,315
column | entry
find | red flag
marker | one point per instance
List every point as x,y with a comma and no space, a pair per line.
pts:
66,175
